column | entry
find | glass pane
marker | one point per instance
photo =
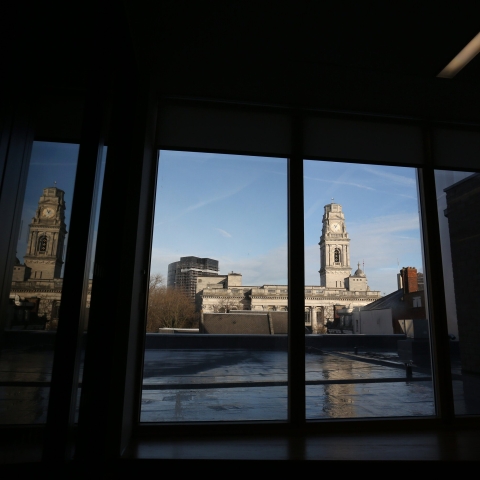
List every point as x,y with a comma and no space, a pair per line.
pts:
458,196
37,281
216,346
367,340
35,295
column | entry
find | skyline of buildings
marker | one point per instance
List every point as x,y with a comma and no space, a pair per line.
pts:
338,287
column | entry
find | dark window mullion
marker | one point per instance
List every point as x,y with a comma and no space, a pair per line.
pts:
66,365
296,280
434,286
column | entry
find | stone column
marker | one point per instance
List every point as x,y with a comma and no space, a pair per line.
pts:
313,319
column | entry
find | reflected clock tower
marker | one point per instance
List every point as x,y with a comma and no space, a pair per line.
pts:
47,236
334,248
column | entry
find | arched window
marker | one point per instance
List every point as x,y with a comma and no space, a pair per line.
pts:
337,255
42,244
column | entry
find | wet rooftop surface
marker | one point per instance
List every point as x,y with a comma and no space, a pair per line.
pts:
243,385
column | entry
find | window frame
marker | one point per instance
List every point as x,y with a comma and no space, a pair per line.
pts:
122,426
432,258
296,345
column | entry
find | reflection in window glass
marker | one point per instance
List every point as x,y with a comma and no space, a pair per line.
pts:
367,346
458,201
37,280
35,295
216,346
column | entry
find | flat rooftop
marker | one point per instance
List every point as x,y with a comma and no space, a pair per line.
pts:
234,384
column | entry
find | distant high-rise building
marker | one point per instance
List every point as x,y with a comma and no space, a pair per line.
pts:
184,274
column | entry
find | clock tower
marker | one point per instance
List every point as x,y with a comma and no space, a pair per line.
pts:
334,248
47,236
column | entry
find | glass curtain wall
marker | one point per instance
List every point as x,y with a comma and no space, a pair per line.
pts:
216,341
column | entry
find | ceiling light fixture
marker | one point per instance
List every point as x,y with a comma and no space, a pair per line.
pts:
463,58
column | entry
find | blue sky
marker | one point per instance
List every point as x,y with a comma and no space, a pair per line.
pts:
229,208
234,209
381,213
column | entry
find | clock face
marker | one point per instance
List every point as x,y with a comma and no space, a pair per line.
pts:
335,227
48,212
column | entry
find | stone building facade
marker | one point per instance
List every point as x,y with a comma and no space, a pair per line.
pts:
36,289
338,288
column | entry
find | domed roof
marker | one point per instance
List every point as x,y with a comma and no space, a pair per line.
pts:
359,272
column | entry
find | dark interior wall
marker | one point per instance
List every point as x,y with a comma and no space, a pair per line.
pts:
331,88
288,57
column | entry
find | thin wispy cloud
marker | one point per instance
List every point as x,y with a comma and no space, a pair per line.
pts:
313,208
206,202
218,198
339,182
391,177
223,233
382,225
333,185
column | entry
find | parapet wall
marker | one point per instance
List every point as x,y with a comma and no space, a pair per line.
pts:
272,342
244,323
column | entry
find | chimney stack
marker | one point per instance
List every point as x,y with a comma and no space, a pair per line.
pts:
409,279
